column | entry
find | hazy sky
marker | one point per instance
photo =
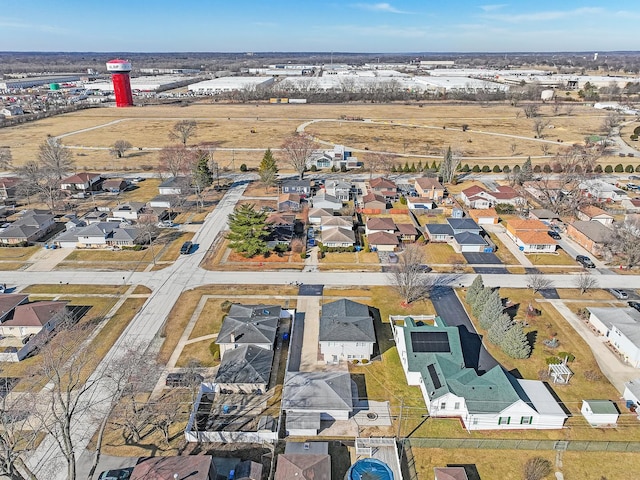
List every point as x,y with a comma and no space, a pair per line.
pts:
315,25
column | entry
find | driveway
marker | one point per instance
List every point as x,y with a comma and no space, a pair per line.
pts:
448,307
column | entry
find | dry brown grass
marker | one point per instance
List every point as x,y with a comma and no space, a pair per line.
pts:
210,318
78,289
230,125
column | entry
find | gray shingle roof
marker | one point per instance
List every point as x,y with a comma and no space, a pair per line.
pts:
438,229
594,230
320,391
346,321
463,224
468,238
245,364
250,324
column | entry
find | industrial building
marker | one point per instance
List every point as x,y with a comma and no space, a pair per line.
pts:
229,84
30,82
157,83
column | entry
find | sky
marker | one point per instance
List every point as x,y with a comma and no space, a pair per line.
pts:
399,26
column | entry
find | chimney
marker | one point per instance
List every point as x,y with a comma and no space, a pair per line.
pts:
232,336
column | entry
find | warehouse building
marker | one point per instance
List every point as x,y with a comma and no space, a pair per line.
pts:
229,84
157,83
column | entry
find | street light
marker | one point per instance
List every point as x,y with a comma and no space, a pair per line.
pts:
153,255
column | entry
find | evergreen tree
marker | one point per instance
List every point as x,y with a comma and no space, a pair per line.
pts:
466,168
406,168
474,289
393,169
526,172
413,167
248,231
492,310
434,167
515,343
499,328
420,167
608,169
202,176
268,170
480,301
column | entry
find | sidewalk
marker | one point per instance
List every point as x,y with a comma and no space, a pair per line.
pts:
499,231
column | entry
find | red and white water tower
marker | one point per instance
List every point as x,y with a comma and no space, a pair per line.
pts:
121,84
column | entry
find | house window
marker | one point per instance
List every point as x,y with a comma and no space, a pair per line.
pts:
526,420
475,421
456,406
504,420
443,405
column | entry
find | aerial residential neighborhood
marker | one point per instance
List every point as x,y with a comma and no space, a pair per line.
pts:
325,266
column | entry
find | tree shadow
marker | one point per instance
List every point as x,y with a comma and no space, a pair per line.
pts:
532,336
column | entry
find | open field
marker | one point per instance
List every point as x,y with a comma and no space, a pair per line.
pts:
403,129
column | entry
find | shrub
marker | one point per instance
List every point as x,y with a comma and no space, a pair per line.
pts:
214,348
226,306
636,131
629,169
537,468
608,169
243,167
355,361
497,169
475,169
536,169
313,168
597,169
466,168
516,169
343,168
569,356
486,169
552,360
365,361
634,137
619,168
546,168
506,169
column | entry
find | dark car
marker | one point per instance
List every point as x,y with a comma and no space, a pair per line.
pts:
183,379
120,474
585,261
185,249
555,235
635,305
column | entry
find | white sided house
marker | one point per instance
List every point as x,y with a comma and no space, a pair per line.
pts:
432,358
622,327
346,332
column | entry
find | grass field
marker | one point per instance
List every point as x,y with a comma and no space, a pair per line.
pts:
401,129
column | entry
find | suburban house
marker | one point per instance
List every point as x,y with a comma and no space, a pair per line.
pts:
340,190
30,318
95,216
478,197
175,186
249,324
417,203
310,397
592,213
128,211
544,215
317,214
407,233
601,191
30,227
485,216
592,235
531,236
245,369
438,232
81,182
100,235
8,188
379,224
600,413
8,302
621,327
115,185
193,467
303,466
335,237
373,201
383,241
289,202
469,242
73,222
460,225
432,358
299,187
430,188
630,205
337,158
346,332
322,199
334,221
281,228
383,186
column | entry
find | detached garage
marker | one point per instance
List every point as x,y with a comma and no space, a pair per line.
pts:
600,412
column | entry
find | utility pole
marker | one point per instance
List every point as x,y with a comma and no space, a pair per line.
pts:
153,254
400,418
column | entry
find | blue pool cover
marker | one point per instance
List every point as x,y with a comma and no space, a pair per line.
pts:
369,469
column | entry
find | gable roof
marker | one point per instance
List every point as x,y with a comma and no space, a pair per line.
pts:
468,238
289,197
35,314
472,191
172,182
463,224
477,213
593,230
320,212
592,211
627,320
381,223
281,218
535,238
303,466
322,391
193,467
543,213
450,473
346,320
381,182
406,229
82,177
373,197
383,238
250,324
323,196
245,364
428,183
602,407
338,234
336,221
9,301
439,229
527,224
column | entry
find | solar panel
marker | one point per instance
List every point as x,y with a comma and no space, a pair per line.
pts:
430,342
434,376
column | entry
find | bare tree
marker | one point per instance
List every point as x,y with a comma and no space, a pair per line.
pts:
538,282
537,468
408,277
41,180
625,242
585,282
55,157
531,110
545,148
568,110
375,162
163,414
119,148
449,164
298,149
6,158
175,160
183,131
539,125
611,122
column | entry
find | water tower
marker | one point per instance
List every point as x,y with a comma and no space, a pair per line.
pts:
121,85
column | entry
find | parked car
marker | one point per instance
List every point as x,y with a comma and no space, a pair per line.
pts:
620,294
185,249
555,235
120,474
585,261
166,224
635,305
188,379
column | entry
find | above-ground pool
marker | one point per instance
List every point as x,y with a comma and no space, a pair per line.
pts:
369,469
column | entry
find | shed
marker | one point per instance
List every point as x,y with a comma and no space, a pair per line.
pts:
599,412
